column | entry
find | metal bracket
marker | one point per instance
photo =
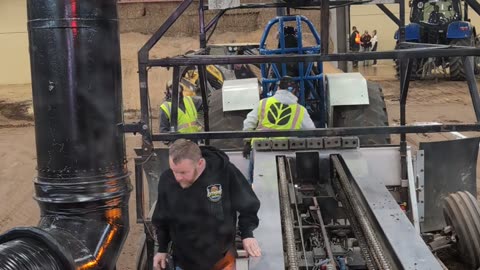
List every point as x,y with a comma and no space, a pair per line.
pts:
280,144
332,142
307,143
412,191
315,143
263,145
134,127
420,179
297,144
350,142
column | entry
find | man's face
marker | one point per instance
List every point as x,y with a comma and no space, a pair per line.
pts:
185,171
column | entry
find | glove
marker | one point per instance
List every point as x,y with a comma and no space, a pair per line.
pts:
247,148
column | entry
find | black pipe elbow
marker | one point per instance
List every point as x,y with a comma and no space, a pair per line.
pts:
32,248
83,226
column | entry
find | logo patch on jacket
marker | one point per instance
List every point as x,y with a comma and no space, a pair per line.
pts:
214,192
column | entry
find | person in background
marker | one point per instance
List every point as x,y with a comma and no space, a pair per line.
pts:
366,44
279,112
354,42
187,120
243,71
374,44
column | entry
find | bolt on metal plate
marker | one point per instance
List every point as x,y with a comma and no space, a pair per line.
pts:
280,144
350,142
332,142
263,145
315,143
296,143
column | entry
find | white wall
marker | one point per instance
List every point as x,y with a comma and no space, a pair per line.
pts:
14,57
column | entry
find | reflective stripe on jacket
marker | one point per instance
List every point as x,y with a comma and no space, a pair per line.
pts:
187,121
273,115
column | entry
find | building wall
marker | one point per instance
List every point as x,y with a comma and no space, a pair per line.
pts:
14,57
145,16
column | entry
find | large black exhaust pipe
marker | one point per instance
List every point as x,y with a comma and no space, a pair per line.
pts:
83,184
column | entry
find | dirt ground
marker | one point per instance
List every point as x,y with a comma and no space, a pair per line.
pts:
444,101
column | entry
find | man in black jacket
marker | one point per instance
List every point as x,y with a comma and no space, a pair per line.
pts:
198,201
354,41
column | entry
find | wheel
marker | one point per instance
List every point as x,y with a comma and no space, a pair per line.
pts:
417,67
457,72
374,114
462,212
224,121
477,59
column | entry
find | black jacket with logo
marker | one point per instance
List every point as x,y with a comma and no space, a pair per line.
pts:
201,219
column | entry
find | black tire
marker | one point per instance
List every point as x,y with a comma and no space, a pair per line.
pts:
462,212
374,114
417,67
224,121
457,72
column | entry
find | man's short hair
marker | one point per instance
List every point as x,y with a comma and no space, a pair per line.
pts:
184,149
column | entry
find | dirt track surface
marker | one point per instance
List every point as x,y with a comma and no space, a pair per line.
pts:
445,101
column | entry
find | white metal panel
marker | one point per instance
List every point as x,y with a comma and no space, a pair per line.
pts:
223,4
242,94
347,89
412,191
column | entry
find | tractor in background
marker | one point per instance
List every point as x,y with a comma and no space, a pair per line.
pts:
443,22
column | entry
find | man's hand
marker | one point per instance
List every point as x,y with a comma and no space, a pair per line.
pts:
160,261
247,148
251,246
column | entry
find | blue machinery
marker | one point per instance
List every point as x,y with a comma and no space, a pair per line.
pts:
309,75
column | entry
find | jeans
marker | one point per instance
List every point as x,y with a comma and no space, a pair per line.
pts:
355,49
250,168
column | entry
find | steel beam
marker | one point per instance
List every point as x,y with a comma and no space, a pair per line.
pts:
201,23
474,5
175,99
325,22
215,19
351,131
468,63
144,51
389,14
203,87
259,59
404,85
139,195
343,27
401,29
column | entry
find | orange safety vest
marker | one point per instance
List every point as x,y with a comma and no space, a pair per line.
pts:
357,38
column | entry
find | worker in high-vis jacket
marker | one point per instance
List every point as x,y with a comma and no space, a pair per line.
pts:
187,120
279,112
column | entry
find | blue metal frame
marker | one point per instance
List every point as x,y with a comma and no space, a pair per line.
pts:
305,78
